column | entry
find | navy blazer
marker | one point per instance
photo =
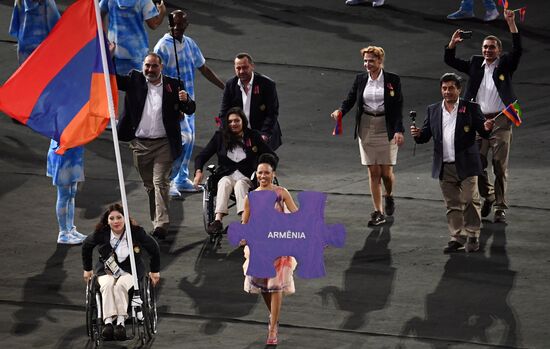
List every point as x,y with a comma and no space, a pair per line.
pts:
254,146
469,120
502,76
393,102
135,86
102,239
264,106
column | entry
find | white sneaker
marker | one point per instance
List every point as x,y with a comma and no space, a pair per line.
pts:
174,192
76,234
355,2
377,3
189,187
66,238
490,15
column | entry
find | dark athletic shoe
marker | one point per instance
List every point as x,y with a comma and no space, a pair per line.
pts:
377,218
453,247
120,333
108,332
500,216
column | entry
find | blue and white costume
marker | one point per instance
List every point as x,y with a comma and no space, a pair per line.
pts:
66,171
31,22
190,58
127,30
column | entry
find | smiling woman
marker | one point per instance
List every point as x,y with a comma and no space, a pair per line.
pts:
238,149
378,126
113,267
272,289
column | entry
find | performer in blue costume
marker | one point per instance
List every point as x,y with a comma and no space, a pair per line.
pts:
31,22
66,171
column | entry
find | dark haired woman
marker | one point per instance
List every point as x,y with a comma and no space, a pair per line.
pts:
271,289
238,149
109,237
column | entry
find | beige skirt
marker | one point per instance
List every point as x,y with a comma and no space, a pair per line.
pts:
374,146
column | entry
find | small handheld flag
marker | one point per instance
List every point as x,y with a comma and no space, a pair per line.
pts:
513,112
503,3
521,12
338,129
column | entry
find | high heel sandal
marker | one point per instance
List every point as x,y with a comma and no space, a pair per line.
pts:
272,340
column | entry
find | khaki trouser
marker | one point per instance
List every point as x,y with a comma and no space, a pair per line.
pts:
462,201
114,294
153,160
499,146
225,186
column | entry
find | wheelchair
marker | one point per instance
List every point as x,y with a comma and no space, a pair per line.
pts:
210,189
143,312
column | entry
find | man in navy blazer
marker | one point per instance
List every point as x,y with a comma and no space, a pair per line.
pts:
256,95
490,85
453,124
150,121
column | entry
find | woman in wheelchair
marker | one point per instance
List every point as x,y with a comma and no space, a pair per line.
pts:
113,268
238,149
271,289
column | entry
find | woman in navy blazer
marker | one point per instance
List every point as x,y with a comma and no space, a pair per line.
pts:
378,125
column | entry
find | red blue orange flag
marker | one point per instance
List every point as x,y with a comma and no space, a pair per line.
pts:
338,129
503,3
522,11
59,91
513,112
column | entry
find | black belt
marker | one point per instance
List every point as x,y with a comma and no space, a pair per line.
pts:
374,114
448,163
149,139
490,115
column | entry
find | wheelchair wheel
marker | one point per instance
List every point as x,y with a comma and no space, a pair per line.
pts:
208,207
93,313
150,308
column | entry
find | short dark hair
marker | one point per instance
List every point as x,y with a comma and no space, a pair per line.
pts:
450,77
494,38
245,55
267,158
154,55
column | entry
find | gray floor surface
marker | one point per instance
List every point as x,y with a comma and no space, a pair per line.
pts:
389,287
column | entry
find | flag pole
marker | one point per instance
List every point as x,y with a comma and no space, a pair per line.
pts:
116,145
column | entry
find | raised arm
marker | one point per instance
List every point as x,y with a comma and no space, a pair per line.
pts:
450,54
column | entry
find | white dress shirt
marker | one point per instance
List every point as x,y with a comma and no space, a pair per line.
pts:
151,125
246,96
122,251
448,125
487,94
373,94
237,154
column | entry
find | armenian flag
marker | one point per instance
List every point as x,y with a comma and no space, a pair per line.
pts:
338,129
59,91
513,112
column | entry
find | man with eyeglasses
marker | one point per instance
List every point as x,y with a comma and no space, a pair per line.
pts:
490,85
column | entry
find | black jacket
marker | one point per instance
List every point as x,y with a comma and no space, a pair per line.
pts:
135,86
254,146
140,239
393,102
264,106
469,120
502,76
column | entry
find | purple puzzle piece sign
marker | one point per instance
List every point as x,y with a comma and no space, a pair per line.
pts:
302,234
